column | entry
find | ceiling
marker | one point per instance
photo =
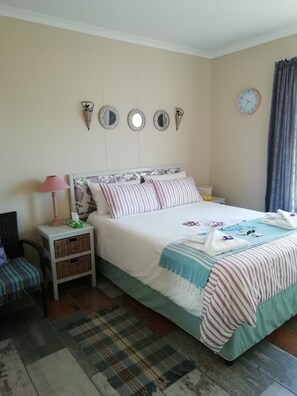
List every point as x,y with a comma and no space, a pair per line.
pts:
207,28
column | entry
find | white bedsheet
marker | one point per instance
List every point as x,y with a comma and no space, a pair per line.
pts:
134,244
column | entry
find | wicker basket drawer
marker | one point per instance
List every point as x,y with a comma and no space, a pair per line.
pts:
68,246
73,266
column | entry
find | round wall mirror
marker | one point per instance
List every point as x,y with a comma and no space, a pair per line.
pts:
108,117
161,120
136,120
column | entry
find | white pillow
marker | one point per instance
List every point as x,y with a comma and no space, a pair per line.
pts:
98,196
167,176
124,200
176,192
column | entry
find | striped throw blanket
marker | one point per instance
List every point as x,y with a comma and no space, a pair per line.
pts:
195,266
17,278
239,282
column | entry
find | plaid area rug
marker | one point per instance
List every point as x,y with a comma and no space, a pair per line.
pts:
134,360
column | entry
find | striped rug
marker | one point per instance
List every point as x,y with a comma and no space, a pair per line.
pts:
134,360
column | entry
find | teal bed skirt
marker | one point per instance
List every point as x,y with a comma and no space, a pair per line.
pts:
270,315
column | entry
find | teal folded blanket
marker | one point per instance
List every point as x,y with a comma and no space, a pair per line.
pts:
195,266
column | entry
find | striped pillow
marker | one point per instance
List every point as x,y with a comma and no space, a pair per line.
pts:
98,196
176,192
125,199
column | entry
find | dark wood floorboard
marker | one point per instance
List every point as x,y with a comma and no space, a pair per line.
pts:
286,336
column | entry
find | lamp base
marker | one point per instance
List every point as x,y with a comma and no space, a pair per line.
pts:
57,222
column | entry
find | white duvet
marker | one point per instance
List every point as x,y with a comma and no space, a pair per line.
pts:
134,244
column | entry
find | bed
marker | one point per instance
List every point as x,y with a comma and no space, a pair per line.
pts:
135,252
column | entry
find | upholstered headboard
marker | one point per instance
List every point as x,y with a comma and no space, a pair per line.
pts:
81,200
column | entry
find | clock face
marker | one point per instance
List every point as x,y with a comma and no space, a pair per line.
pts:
249,101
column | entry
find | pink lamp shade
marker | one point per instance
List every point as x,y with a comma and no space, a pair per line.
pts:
52,184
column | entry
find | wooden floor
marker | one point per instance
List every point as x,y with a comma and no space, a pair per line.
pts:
46,364
286,336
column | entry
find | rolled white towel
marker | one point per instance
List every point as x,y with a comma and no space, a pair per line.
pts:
197,238
289,217
272,215
281,219
214,243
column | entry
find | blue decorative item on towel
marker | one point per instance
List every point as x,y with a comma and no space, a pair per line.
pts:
195,266
3,258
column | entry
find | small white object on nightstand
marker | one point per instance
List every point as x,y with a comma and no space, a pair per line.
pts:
219,200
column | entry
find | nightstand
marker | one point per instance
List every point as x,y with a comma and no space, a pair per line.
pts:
219,200
70,252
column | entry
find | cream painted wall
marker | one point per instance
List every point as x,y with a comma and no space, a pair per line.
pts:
238,158
46,72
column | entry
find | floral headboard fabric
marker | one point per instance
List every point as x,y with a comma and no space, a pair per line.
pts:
81,200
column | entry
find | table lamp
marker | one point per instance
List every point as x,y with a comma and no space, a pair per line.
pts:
53,184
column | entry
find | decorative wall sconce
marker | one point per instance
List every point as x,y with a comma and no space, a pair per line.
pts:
88,111
178,116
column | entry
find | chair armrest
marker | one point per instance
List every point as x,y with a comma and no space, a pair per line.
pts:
40,252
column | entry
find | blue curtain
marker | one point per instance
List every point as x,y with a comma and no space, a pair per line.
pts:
282,150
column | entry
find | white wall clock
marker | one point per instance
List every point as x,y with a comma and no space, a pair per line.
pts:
249,101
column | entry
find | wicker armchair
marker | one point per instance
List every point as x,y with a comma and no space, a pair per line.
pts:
19,277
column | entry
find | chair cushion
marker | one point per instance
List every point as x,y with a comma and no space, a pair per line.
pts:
17,278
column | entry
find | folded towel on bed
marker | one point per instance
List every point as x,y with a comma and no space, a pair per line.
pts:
215,243
281,219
